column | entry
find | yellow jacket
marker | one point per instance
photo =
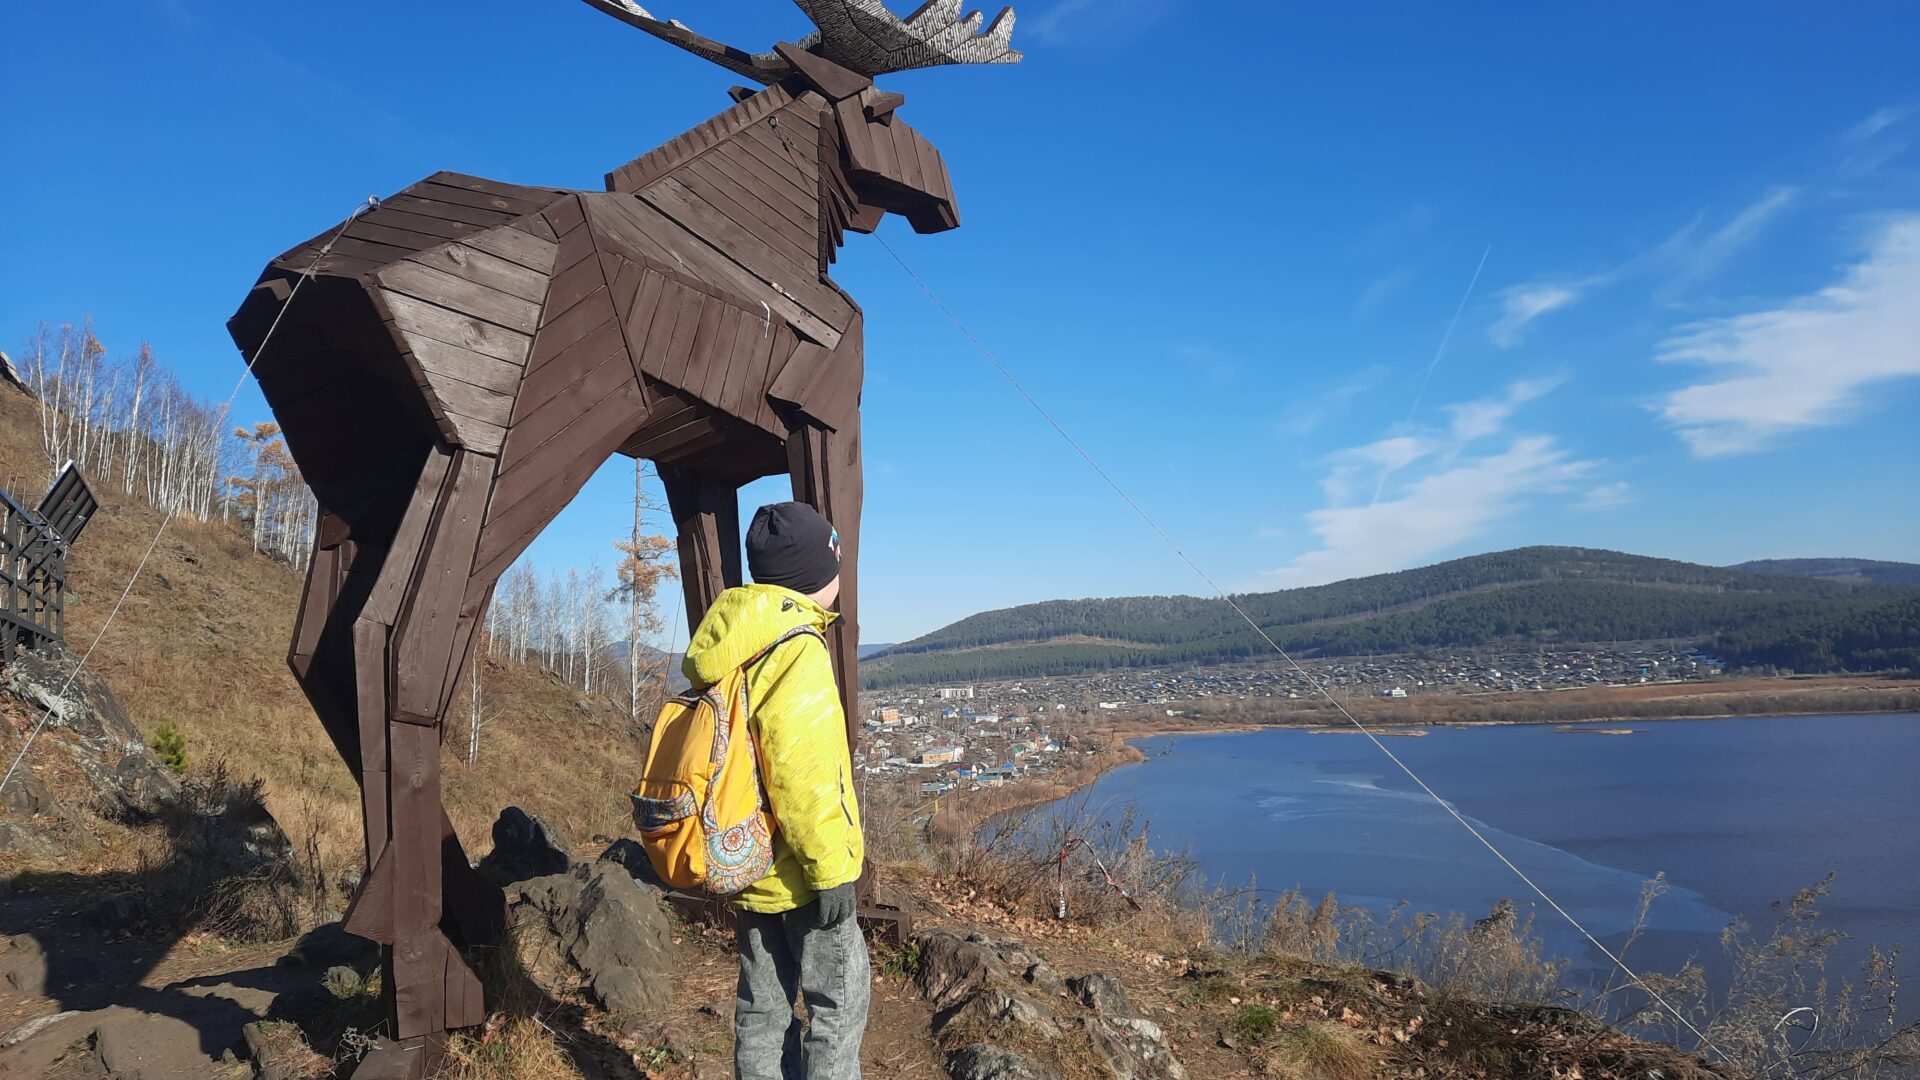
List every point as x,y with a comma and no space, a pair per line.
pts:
801,733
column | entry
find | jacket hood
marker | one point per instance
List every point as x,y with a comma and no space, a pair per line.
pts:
743,621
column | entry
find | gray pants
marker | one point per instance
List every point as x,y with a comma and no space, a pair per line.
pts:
781,956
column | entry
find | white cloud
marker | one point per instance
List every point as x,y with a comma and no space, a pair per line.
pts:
1453,494
1806,362
1090,22
1438,511
1522,304
1882,119
1696,261
1381,289
1606,496
1305,415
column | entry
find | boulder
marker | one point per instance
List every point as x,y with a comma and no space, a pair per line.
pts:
524,846
984,1061
26,795
1133,1048
628,853
951,968
1102,993
997,1010
1043,978
614,931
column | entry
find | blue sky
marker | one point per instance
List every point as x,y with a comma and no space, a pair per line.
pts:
1221,244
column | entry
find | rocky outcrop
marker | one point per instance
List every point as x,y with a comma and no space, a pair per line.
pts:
612,927
524,847
984,992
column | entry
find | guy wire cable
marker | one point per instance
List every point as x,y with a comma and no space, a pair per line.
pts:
1434,363
1288,658
60,696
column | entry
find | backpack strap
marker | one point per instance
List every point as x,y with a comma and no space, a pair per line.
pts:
797,631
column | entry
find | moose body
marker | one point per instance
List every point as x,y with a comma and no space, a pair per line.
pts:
448,370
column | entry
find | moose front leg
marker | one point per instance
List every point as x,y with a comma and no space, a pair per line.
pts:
825,467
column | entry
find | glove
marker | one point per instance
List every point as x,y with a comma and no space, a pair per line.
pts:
834,906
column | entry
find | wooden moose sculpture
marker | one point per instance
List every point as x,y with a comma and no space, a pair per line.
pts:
459,361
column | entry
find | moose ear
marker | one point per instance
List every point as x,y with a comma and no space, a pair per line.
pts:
823,74
881,103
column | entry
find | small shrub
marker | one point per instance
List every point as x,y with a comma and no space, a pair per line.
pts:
171,746
1322,1051
1254,1023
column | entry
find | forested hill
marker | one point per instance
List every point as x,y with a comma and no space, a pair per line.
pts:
1851,570
1533,595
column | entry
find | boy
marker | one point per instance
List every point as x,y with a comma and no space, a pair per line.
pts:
797,931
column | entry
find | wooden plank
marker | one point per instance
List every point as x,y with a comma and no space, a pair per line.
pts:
370,913
905,155
419,967
793,185
492,271
653,352
672,365
577,322
637,321
550,481
370,713
790,232
397,569
799,372
474,402
538,226
476,434
564,215
733,394
443,361
484,218
586,352
716,354
375,232
769,248
578,282
533,201
532,429
456,328
457,293
701,352
516,246
521,192
423,635
388,217
701,260
676,151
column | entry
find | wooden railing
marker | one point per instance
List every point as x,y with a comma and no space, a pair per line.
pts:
33,561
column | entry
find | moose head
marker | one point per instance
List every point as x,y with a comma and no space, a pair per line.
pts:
889,167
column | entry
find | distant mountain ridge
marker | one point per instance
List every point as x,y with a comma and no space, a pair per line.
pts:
1535,595
1858,571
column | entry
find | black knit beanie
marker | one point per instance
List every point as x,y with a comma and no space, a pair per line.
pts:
789,544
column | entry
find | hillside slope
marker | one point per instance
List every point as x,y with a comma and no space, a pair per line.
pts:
1538,594
201,642
1849,570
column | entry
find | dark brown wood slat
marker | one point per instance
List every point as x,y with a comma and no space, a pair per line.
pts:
443,361
457,293
700,351
735,395
419,967
679,350
417,223
636,321
693,212
659,161
396,570
532,428
423,635
485,218
570,287
653,355
790,232
374,232
522,192
516,246
513,206
746,160
583,354
564,215
699,259
905,155
474,402
658,439
481,268
538,226
802,367
779,348
455,328
577,322
716,355
376,253
549,485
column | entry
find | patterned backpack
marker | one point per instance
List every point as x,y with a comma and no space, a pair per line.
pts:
700,806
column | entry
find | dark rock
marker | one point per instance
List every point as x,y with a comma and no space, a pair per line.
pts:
996,1010
84,706
116,1049
1102,993
341,981
21,839
951,968
1133,1048
26,795
329,945
1043,978
524,846
613,930
23,965
984,1061
628,853
142,784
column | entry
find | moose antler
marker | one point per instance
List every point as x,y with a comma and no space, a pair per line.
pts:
862,36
